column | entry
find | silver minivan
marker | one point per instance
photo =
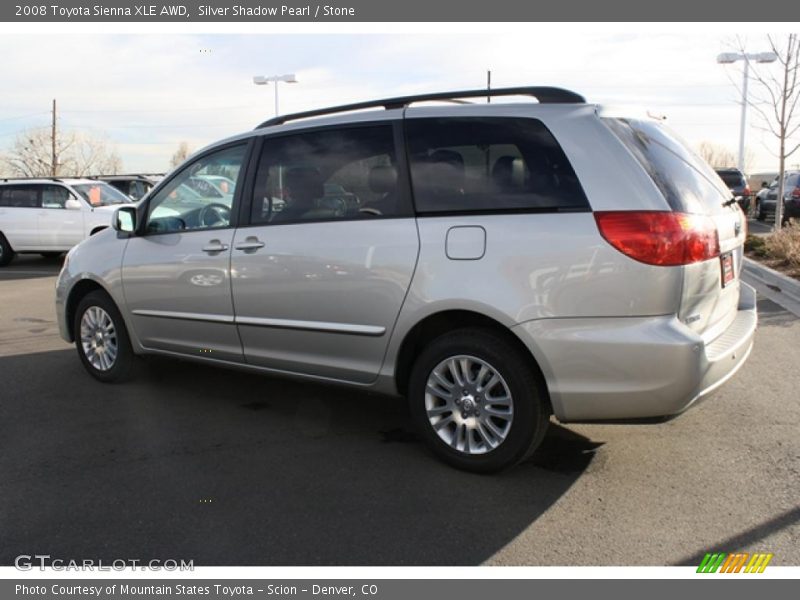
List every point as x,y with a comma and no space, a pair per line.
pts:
495,263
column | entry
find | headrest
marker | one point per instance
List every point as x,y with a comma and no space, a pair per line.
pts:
382,179
304,183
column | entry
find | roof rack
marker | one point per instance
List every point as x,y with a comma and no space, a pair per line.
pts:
545,95
45,177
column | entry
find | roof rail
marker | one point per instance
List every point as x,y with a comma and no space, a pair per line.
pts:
46,177
545,95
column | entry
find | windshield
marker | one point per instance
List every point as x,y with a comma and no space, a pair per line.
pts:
101,194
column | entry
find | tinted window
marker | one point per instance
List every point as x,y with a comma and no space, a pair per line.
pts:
20,196
489,164
54,196
183,204
792,181
330,174
686,181
732,180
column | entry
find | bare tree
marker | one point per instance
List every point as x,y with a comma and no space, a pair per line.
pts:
77,155
181,154
716,155
776,101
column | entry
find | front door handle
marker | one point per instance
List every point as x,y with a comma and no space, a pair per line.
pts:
215,246
250,243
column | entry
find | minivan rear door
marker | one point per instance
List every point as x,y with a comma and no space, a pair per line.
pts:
710,293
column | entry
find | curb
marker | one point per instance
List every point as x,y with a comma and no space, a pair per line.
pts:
777,284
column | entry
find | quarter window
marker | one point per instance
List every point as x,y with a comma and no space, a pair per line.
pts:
480,164
328,175
192,200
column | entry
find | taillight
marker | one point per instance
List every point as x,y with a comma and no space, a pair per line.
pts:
660,238
796,192
746,191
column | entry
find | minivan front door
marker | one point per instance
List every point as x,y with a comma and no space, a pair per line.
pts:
321,272
176,272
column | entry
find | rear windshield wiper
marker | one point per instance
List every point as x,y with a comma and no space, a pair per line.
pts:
729,202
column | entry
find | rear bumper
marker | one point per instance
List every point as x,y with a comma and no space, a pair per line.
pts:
637,367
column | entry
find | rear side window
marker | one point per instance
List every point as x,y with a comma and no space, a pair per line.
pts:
687,182
20,196
489,164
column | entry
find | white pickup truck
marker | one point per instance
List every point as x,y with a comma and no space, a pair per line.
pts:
50,216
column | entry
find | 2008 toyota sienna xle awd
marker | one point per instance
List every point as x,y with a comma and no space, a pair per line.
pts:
495,263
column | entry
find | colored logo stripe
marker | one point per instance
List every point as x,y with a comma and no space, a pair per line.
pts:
733,563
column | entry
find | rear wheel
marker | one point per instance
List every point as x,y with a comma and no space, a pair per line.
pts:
101,338
6,251
477,401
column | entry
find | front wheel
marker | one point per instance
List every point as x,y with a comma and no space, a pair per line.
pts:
478,401
101,338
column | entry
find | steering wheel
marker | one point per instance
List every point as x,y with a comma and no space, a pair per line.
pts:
214,214
370,211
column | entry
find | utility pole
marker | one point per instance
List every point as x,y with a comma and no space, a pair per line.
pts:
53,157
488,87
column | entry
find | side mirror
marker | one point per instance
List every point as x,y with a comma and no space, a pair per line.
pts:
72,204
124,219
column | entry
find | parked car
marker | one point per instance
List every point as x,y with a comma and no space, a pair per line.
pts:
49,216
554,258
737,184
134,186
766,200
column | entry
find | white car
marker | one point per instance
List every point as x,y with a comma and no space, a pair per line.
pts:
50,216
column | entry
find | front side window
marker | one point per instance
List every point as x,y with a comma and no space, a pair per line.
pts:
328,175
20,196
489,164
190,201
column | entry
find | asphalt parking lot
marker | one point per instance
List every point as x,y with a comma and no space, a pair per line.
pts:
226,468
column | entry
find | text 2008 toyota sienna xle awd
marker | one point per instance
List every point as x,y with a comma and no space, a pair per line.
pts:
495,263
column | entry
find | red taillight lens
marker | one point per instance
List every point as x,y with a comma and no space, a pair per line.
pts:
796,192
660,238
746,191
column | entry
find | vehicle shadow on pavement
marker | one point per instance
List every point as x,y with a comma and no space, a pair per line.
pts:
224,468
31,266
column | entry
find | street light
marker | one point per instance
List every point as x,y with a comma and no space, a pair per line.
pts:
264,80
727,58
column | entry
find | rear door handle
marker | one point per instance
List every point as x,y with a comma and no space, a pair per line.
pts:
250,243
215,246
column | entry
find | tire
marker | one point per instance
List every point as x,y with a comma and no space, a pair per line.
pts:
6,251
102,365
517,377
760,215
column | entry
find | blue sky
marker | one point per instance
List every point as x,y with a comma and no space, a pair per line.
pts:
147,93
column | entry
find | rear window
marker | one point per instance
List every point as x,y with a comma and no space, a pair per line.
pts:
687,182
732,180
792,181
489,164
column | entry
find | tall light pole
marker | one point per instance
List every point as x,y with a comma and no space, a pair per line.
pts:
727,58
264,80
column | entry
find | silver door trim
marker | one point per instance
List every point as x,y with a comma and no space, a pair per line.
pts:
347,328
168,314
